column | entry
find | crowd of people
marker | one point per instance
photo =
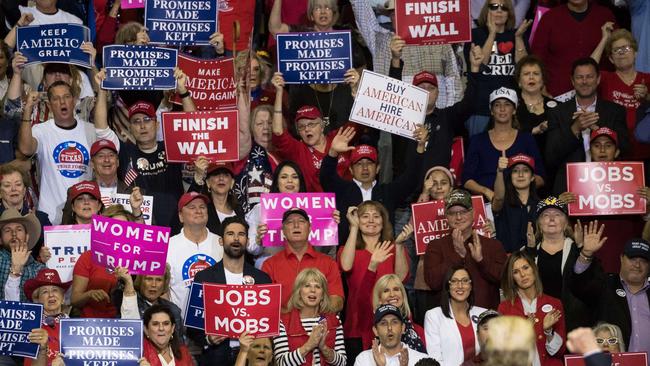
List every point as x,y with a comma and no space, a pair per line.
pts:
525,100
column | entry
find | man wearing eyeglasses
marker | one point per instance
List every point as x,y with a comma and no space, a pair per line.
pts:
483,257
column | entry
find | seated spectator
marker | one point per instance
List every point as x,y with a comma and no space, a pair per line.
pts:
482,328
310,331
510,342
609,338
451,328
524,297
159,346
583,341
254,351
388,350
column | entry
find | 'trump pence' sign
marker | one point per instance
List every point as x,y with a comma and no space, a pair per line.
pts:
434,21
606,188
389,104
139,68
66,243
103,342
53,43
233,309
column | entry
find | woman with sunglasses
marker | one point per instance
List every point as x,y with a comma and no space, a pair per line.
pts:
609,338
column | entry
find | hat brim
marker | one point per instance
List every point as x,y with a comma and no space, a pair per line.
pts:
32,226
539,212
33,284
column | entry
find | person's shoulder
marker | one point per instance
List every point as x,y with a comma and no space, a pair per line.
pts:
415,356
365,359
433,313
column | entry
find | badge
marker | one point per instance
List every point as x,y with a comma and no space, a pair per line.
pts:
551,104
620,292
248,280
547,308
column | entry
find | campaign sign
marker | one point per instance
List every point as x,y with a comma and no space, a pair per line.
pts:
54,43
213,134
125,200
139,247
319,206
539,13
389,104
66,243
210,82
433,22
17,319
193,316
430,222
101,342
233,309
314,57
130,67
132,4
181,22
457,158
622,359
606,188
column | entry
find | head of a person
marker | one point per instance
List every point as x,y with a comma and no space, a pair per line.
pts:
296,226
55,71
13,185
552,218
482,326
152,287
47,289
634,262
622,48
61,99
373,221
510,342
220,178
502,11
17,230
104,159
132,33
260,352
520,274
603,145
5,57
143,123
503,107
159,326
389,326
427,361
118,212
530,74
609,338
310,291
457,288
459,210
85,201
390,290
234,237
521,173
441,180
261,124
323,13
429,82
260,69
288,178
193,209
364,165
310,125
585,77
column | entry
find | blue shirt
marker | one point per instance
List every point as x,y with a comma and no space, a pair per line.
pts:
640,316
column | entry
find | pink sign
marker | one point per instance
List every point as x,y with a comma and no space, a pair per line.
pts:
140,248
619,359
319,206
132,4
539,12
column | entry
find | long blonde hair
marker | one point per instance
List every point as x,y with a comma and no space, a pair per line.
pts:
381,284
306,275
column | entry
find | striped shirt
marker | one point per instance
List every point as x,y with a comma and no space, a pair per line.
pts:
286,357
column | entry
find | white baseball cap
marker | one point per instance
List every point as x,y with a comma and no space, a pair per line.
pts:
504,93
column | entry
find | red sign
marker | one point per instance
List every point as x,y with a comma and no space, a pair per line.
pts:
618,359
212,134
211,82
433,22
233,309
606,188
457,158
430,222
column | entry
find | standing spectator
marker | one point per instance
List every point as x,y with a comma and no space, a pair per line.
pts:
520,8
160,347
84,200
105,162
609,338
640,11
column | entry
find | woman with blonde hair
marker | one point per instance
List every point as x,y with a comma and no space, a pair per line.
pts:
310,332
510,342
609,337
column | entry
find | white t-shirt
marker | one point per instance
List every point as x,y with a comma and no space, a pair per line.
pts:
365,358
186,259
41,18
63,160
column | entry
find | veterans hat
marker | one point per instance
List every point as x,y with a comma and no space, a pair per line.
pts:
504,93
307,112
292,211
142,107
425,76
45,277
637,247
486,315
85,186
29,221
550,202
363,152
604,131
521,159
188,197
458,197
387,309
102,144
215,167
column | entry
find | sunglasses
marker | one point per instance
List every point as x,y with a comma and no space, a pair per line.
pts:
622,50
612,340
495,7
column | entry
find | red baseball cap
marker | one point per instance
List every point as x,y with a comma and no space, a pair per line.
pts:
102,144
189,197
521,159
363,152
213,167
307,112
142,107
425,77
604,131
82,187
45,277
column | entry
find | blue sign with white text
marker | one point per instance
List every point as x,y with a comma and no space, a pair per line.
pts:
53,43
194,316
181,22
101,342
315,57
17,319
139,67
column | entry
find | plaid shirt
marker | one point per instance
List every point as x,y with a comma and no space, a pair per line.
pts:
29,271
440,60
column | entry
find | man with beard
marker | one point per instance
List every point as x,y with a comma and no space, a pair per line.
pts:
231,270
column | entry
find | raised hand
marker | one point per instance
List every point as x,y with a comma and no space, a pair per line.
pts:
245,342
278,82
567,197
216,39
593,239
530,236
406,232
19,257
380,358
396,46
523,27
136,199
352,216
502,163
341,141
578,235
382,252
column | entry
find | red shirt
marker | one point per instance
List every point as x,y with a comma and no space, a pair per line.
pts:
283,268
467,338
98,279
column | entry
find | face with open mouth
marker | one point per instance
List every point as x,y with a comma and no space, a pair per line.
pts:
261,352
152,287
159,330
323,14
85,206
311,294
530,79
51,297
61,103
603,149
389,330
288,180
295,228
105,163
310,130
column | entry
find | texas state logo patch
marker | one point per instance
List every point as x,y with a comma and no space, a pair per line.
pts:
71,159
194,265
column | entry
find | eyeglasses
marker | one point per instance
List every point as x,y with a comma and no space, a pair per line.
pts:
323,8
612,340
454,282
622,50
139,121
309,125
495,7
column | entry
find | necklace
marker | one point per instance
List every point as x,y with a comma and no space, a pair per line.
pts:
326,120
